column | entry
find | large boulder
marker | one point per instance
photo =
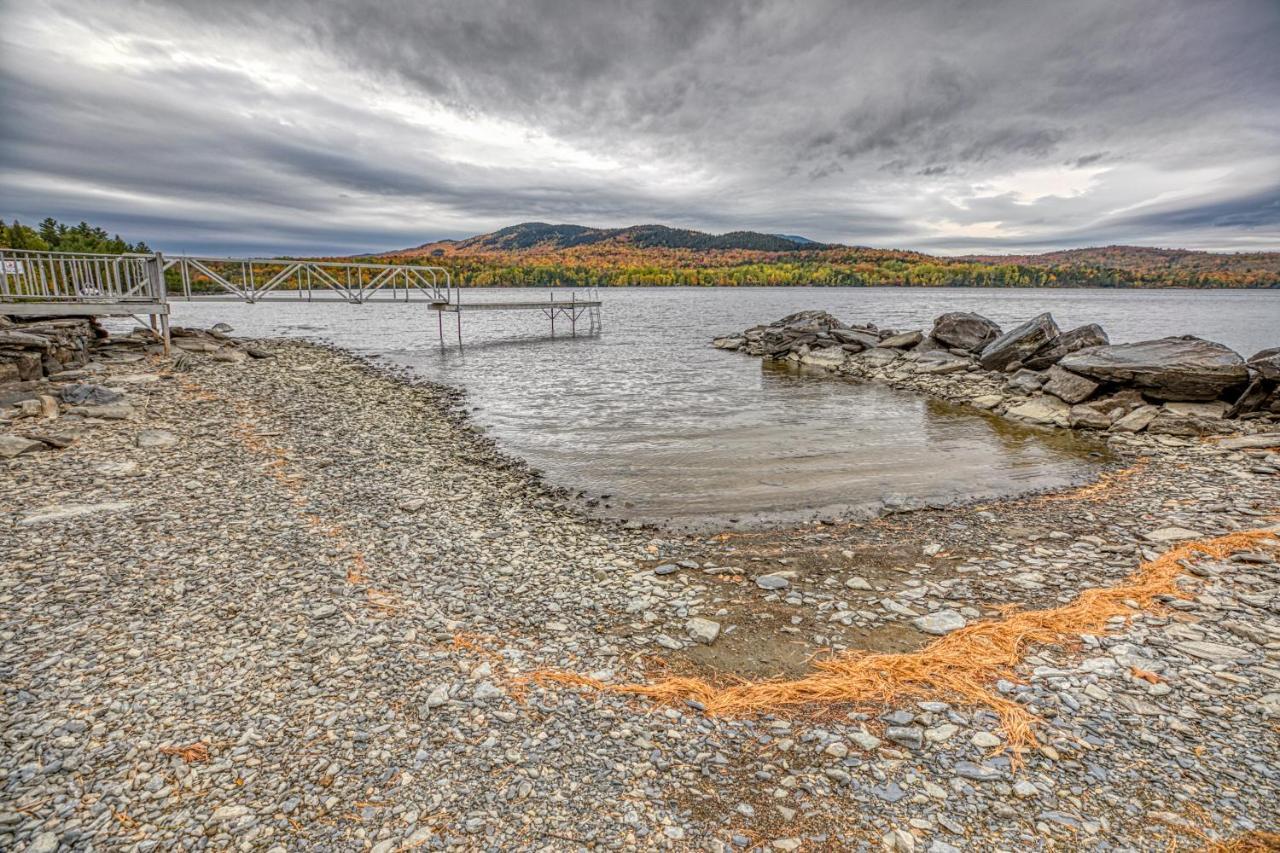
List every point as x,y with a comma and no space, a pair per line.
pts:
810,321
965,330
1018,343
1077,339
1176,368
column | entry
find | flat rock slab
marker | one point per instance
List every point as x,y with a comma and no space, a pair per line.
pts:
1246,442
89,395
1175,368
1216,652
66,512
941,622
15,445
1172,534
156,438
113,412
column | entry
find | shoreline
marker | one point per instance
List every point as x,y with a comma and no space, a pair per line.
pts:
325,577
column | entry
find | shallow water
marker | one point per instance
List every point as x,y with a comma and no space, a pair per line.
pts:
672,430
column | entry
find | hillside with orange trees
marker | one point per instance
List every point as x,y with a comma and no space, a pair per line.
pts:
538,254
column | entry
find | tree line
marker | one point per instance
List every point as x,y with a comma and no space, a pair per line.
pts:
54,236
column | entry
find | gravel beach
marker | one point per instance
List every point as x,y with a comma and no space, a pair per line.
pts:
276,597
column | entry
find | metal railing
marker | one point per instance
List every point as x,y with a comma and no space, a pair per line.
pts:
257,279
57,277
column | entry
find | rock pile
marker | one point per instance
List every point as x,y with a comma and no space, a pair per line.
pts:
1037,373
54,379
30,350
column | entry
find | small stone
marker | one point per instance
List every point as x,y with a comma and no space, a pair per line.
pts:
230,813
772,582
910,736
1024,789
977,772
858,583
939,623
45,842
837,749
703,630
942,733
985,740
156,438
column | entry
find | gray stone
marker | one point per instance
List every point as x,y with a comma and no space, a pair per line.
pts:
1069,387
1087,417
1175,368
905,340
1213,652
1077,339
66,512
1137,420
1026,381
703,630
1018,343
977,772
866,340
45,842
964,330
156,438
772,582
939,623
112,412
941,362
89,395
910,736
1042,410
1172,534
15,445
1246,442
1266,363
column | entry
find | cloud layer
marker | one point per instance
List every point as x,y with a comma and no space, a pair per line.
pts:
280,126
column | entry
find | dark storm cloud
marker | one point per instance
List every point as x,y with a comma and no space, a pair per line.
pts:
369,124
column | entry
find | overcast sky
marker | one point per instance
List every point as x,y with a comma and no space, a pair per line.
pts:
284,126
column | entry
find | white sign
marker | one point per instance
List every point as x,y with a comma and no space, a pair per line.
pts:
13,268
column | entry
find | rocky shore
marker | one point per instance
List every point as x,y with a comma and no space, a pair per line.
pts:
1039,374
265,595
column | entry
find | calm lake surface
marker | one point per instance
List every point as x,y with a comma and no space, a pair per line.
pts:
676,432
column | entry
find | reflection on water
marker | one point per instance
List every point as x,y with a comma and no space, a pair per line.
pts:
650,414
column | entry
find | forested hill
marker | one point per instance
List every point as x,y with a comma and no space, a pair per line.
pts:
539,254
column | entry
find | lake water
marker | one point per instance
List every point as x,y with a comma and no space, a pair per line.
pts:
673,431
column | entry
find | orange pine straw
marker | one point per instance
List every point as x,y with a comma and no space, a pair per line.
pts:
957,667
1258,841
191,754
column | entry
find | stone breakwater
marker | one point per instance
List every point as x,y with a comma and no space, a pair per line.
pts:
268,596
1038,374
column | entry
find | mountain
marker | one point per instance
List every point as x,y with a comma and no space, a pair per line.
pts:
538,254
544,237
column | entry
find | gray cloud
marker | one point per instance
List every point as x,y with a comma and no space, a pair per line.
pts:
294,125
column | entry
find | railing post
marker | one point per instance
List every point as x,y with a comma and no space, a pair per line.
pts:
160,293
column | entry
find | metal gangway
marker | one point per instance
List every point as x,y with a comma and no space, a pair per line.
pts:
42,283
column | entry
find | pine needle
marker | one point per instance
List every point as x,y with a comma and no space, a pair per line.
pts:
959,667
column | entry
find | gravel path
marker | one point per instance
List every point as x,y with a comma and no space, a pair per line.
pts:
292,602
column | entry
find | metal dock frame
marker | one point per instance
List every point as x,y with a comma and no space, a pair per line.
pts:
84,284
572,308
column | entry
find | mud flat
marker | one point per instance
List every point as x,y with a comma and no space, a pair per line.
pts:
268,596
